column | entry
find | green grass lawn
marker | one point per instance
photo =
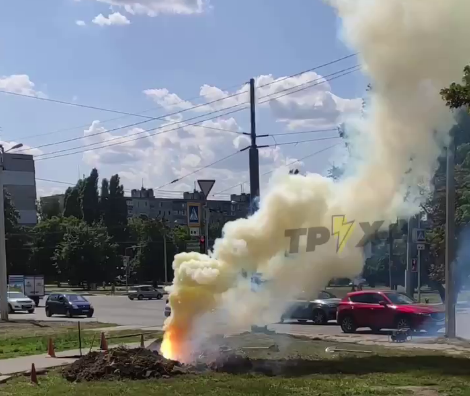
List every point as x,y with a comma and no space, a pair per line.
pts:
26,338
305,368
409,379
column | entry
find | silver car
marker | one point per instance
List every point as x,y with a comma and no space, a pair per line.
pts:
145,292
319,311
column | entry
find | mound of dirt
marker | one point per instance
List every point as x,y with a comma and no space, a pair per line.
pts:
122,363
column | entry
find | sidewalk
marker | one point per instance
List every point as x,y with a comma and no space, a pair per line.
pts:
10,367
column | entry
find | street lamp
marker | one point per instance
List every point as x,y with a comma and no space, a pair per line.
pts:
3,258
16,146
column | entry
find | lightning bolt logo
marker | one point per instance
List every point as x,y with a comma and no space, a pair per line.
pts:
342,229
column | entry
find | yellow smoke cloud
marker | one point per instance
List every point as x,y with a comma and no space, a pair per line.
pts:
410,49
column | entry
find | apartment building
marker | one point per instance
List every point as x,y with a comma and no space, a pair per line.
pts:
19,180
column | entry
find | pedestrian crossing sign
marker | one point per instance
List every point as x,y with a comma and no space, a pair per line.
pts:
194,214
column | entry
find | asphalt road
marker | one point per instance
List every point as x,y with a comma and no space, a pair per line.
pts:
122,311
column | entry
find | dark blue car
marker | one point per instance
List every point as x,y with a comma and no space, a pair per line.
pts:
69,305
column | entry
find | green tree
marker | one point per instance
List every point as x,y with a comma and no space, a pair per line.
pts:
117,220
47,237
104,200
18,240
87,255
436,205
335,172
72,206
89,198
48,209
149,260
181,236
458,95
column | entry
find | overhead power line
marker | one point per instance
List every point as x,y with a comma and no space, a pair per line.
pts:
126,190
148,118
200,169
289,164
134,139
302,132
312,83
308,70
162,118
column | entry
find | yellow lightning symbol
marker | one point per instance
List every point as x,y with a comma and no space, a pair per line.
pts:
342,229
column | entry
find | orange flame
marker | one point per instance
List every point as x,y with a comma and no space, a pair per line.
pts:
166,348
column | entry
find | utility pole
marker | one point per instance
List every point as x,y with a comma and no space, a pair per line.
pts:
254,156
165,258
419,263
3,258
390,253
408,271
450,240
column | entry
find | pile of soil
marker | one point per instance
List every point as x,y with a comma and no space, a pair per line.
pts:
122,363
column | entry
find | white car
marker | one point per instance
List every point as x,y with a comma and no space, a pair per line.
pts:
19,302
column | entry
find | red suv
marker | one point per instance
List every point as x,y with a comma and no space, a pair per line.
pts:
387,310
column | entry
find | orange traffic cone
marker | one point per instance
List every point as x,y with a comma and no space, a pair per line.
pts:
103,343
50,349
142,344
34,377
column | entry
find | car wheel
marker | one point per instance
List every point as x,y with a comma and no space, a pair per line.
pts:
282,320
403,323
159,296
48,313
30,311
319,317
68,313
140,297
131,298
10,309
89,315
348,325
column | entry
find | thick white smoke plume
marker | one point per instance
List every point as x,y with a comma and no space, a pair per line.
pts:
410,49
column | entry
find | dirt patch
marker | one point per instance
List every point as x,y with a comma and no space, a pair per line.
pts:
421,390
122,363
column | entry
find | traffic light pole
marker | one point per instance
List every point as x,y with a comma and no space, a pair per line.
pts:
208,214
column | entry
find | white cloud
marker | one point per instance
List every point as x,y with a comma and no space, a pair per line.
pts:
116,19
171,154
80,23
154,8
169,101
176,150
313,107
21,84
25,149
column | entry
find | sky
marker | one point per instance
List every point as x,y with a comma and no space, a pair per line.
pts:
164,59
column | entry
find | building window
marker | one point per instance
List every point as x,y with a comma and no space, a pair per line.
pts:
169,212
183,205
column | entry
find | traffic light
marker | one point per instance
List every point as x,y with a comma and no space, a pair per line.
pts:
202,245
414,265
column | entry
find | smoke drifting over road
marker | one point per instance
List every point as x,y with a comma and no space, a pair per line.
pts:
410,49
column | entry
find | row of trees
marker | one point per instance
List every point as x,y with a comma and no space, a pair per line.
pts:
85,243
